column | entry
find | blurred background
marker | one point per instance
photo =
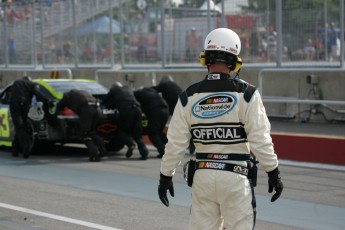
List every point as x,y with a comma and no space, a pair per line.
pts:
292,50
168,32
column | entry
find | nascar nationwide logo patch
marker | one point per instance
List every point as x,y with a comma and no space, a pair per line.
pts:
214,105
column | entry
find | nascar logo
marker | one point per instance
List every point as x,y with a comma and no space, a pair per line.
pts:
218,156
212,165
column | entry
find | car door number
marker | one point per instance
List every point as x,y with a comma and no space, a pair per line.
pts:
4,125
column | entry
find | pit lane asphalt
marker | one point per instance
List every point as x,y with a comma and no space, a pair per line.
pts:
60,189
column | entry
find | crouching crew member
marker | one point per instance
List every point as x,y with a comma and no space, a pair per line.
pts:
129,120
157,113
170,92
87,108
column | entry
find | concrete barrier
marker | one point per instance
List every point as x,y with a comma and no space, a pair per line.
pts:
285,85
290,86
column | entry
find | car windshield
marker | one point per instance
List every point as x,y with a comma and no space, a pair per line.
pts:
65,86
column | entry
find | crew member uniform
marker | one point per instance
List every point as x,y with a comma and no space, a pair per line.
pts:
170,91
129,120
222,115
20,102
157,113
87,108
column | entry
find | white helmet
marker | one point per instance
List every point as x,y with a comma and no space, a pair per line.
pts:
223,39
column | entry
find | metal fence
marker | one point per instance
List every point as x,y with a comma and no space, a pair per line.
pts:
163,34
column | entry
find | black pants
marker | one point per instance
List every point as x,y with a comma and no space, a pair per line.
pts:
22,140
157,119
89,116
130,127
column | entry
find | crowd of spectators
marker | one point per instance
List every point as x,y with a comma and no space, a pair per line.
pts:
18,14
15,11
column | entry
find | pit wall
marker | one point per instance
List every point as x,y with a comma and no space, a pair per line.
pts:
286,84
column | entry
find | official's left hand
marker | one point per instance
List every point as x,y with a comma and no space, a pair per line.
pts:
165,184
275,182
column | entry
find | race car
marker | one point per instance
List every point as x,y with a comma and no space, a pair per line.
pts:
46,127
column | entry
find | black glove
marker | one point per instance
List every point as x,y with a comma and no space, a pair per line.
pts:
275,182
165,184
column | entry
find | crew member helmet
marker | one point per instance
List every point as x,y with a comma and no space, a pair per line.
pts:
223,39
27,78
166,78
117,83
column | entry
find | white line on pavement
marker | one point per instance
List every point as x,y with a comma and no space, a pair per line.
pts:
56,217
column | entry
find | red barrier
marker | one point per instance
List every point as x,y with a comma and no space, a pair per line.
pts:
310,148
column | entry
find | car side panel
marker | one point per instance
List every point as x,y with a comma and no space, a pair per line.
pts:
6,126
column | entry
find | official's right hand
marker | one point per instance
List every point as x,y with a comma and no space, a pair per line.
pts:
165,184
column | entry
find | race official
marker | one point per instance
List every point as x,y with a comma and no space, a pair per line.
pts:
22,93
129,120
157,113
87,108
226,118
